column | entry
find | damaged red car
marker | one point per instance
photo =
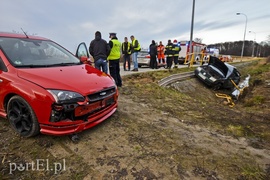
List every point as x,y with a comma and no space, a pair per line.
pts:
45,88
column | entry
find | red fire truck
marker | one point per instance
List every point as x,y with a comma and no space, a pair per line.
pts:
184,54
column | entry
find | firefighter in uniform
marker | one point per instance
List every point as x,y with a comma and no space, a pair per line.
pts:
176,50
114,58
160,51
169,53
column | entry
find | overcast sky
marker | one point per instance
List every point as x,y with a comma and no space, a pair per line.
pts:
70,22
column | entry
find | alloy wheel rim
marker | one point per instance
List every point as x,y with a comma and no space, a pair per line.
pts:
20,117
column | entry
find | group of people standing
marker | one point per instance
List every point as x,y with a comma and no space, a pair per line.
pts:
103,52
158,52
129,49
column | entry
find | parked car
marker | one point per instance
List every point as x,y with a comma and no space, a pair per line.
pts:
45,88
144,59
218,74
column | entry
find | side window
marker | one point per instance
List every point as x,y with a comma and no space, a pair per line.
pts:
2,65
82,51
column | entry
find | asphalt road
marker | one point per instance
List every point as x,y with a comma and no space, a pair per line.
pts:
145,69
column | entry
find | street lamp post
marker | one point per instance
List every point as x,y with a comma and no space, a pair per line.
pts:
244,34
253,43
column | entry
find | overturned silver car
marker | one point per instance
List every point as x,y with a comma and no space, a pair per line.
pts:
218,74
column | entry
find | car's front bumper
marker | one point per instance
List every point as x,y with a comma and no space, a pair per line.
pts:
67,127
206,78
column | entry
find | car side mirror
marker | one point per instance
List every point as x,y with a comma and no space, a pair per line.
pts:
84,59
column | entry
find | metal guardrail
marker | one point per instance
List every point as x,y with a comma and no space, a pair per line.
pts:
175,77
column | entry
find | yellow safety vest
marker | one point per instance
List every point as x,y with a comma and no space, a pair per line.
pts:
115,53
128,47
133,44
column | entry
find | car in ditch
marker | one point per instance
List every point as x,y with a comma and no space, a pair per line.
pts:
45,88
218,74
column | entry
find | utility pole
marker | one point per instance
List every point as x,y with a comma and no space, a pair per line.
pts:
191,31
253,43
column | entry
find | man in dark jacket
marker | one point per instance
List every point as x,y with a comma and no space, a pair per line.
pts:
169,53
100,50
153,55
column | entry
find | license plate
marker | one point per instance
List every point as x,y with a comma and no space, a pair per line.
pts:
109,101
202,76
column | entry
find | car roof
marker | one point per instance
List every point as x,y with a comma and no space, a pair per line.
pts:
17,35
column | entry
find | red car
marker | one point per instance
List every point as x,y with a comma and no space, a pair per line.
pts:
45,88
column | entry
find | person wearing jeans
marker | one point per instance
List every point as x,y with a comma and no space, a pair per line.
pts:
135,49
101,64
135,61
100,49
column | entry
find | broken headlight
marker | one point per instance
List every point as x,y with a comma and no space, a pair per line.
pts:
62,96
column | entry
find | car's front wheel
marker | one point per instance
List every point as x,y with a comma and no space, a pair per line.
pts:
22,117
217,86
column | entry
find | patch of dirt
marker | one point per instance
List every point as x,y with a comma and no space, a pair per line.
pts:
181,132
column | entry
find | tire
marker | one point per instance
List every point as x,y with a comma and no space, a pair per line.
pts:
217,86
22,117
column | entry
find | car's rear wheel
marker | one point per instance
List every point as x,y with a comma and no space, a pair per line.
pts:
22,117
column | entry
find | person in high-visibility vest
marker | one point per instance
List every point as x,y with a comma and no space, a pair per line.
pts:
114,59
160,52
169,53
126,51
176,50
136,47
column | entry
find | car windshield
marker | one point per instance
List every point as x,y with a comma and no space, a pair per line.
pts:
23,52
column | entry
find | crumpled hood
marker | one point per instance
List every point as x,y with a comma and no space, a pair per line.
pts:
83,79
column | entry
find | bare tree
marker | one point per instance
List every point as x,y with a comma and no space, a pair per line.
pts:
198,40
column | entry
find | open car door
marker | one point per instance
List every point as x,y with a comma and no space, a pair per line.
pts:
82,53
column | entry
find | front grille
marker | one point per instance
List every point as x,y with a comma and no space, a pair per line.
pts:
97,96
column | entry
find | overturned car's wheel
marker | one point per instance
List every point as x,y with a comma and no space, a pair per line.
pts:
217,86
22,117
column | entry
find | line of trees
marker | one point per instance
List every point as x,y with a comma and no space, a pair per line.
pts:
251,48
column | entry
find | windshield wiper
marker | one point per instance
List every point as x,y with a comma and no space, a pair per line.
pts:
47,65
32,66
65,64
